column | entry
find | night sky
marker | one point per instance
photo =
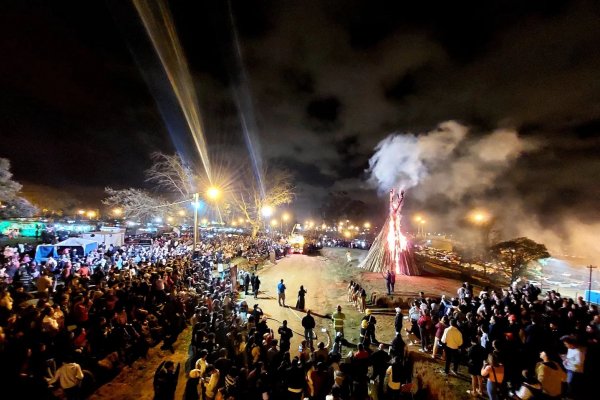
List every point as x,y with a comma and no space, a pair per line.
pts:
84,101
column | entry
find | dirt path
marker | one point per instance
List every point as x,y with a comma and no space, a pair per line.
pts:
325,277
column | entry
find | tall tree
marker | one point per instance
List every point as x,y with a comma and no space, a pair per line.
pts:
136,204
171,174
515,255
249,199
11,204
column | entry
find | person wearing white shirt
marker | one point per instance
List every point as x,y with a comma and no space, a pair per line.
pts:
69,376
573,362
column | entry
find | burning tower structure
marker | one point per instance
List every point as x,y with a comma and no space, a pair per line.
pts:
391,250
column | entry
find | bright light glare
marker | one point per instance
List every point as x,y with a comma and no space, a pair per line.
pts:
286,217
181,213
266,211
117,211
367,225
274,222
213,193
479,217
158,220
204,221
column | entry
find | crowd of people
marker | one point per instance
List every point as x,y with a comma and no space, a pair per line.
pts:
524,344
248,360
78,319
81,318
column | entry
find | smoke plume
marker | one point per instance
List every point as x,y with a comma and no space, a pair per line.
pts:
444,161
450,172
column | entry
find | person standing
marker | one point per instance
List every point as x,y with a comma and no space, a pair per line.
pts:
281,293
440,327
398,320
246,283
475,356
300,301
452,340
285,335
550,375
573,362
191,385
379,360
388,282
256,286
308,323
165,381
371,323
338,320
394,375
494,371
393,280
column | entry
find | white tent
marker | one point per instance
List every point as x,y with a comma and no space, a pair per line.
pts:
116,238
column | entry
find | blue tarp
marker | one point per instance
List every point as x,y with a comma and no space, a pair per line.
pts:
43,251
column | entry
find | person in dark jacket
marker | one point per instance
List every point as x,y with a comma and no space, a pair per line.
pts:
191,386
379,360
475,357
165,380
308,323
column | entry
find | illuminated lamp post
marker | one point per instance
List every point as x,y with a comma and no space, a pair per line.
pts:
591,268
284,218
266,211
196,203
482,219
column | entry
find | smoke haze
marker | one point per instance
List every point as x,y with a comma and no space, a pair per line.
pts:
450,171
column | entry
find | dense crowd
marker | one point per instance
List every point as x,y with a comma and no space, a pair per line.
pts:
77,319
523,343
235,354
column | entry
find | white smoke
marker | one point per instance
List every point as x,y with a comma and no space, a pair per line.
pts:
444,161
404,160
450,171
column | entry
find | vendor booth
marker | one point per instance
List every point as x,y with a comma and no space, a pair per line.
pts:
81,246
106,237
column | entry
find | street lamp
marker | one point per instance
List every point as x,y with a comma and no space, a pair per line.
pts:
117,212
91,214
196,204
589,296
273,225
266,211
284,218
483,220
213,193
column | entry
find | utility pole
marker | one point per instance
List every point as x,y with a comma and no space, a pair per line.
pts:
591,268
196,201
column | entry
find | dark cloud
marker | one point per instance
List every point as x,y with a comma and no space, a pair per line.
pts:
324,114
81,86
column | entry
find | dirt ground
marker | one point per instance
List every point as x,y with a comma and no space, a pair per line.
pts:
325,277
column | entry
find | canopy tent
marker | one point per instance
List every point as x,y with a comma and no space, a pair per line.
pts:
44,251
82,246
